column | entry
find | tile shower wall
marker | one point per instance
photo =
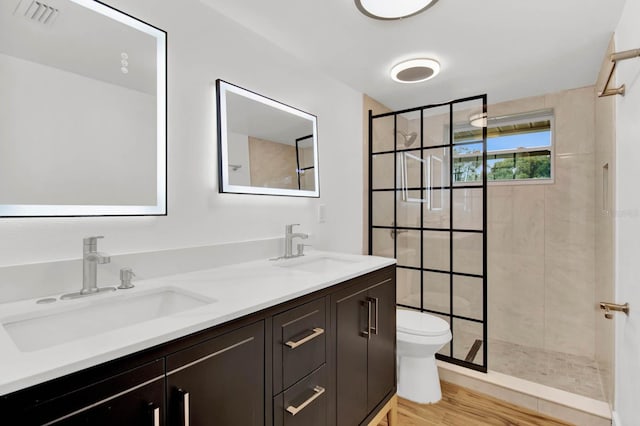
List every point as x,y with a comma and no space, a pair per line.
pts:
541,238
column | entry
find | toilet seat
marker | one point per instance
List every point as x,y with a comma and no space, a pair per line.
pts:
420,324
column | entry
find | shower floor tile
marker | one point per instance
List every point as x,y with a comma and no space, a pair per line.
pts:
572,373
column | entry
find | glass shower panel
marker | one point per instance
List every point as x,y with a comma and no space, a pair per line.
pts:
408,130
468,341
407,247
407,209
436,295
382,214
408,287
436,213
467,297
468,208
382,134
428,199
435,126
435,252
410,167
468,255
382,171
382,243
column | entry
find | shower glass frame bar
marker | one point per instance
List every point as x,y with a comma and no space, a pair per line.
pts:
451,187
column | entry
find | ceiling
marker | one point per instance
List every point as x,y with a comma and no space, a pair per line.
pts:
508,49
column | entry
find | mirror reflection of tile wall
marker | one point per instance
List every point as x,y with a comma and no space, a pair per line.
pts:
272,164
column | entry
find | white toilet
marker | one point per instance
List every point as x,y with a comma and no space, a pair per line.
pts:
419,336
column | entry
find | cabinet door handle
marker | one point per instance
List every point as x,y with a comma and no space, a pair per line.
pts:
317,391
155,413
367,332
375,301
316,332
185,406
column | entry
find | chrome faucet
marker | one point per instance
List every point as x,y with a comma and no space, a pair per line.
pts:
91,258
289,235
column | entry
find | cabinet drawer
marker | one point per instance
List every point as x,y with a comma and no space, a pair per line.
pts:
305,403
299,343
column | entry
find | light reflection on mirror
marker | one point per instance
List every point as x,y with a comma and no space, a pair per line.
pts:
265,147
82,111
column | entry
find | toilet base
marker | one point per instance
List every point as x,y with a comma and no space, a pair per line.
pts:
418,379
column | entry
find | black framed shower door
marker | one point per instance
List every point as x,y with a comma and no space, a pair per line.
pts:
428,210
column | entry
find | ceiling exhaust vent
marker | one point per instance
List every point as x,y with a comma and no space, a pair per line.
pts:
36,11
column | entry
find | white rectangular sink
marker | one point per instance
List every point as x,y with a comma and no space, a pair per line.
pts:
87,317
316,264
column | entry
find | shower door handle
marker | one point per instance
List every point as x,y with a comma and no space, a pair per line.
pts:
394,232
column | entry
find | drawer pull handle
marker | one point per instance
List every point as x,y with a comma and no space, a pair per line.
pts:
155,412
185,407
375,301
316,332
317,391
367,333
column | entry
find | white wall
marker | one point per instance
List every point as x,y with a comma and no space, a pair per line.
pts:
627,220
203,46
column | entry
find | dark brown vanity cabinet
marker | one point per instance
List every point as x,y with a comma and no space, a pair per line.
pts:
365,330
218,382
322,359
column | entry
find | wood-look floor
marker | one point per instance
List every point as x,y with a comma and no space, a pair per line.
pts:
463,407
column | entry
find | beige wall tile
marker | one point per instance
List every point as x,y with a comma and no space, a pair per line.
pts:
517,302
574,120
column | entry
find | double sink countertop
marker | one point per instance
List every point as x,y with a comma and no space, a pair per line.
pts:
40,342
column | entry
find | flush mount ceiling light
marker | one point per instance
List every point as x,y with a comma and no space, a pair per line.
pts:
478,120
393,9
415,70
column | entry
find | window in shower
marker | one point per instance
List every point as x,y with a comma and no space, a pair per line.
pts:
433,223
519,149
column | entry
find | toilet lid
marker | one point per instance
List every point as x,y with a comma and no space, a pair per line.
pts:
420,323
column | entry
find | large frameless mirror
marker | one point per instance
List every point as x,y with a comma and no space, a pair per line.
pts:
82,111
264,146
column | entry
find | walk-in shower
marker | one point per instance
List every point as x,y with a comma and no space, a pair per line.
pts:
427,212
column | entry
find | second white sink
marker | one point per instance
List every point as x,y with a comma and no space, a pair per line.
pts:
87,317
316,264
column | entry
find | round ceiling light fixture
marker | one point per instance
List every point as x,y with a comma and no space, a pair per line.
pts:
415,70
478,120
395,9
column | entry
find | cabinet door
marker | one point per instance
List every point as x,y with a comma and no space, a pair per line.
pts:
133,408
381,363
351,315
133,397
219,382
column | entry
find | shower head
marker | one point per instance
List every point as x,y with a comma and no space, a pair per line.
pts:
409,138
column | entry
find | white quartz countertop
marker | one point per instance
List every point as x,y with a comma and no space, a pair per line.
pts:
231,292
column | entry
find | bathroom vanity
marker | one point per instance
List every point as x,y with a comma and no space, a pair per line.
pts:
307,341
